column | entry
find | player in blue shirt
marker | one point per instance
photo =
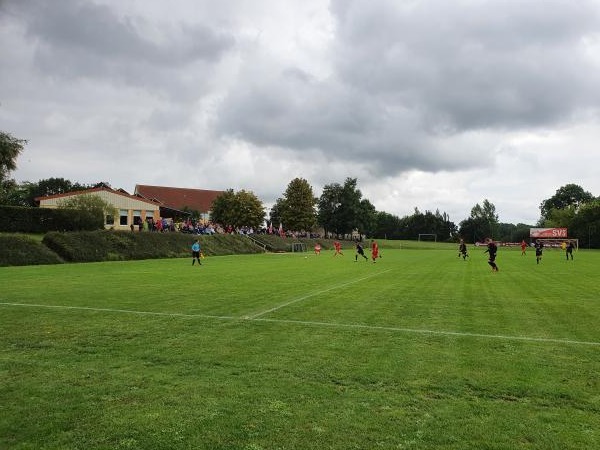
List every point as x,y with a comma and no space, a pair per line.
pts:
196,252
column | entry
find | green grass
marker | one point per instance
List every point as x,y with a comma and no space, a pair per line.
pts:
278,351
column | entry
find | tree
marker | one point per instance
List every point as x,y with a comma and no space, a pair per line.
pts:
13,194
222,209
559,217
275,213
10,148
328,204
482,223
565,196
50,186
387,226
96,207
508,232
297,207
586,224
367,218
241,209
340,207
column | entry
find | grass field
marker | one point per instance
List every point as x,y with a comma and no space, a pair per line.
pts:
281,351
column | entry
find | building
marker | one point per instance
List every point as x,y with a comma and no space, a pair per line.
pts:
130,209
177,202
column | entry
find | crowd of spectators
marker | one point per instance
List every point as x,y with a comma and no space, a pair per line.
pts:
198,227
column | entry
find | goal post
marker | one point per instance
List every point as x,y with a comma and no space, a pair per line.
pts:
427,237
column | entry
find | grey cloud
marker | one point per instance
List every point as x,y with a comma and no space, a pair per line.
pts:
485,65
408,74
77,38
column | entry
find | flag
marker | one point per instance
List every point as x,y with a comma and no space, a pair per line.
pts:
280,229
271,228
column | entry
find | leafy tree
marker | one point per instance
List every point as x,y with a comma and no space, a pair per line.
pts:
387,226
560,217
238,209
251,212
428,222
508,232
367,218
275,213
222,209
329,204
482,223
50,186
297,207
10,148
92,204
586,224
565,196
340,207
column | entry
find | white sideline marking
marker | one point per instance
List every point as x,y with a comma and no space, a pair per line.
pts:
314,323
126,311
304,297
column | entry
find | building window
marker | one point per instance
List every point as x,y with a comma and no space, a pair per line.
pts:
137,218
123,217
110,220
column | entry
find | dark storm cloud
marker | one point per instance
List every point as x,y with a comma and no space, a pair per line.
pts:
405,75
75,38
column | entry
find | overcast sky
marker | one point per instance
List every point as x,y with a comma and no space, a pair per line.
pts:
432,104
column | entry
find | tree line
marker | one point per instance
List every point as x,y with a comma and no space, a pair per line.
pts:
342,210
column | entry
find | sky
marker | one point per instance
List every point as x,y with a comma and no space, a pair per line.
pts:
429,104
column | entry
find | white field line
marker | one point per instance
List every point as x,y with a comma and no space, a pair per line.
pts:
317,324
313,294
123,311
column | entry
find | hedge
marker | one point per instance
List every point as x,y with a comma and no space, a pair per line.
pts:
89,246
17,219
16,250
108,245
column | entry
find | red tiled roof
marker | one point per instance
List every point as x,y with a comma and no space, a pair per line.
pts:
120,192
178,198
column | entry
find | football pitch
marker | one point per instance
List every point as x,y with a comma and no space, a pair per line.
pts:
419,350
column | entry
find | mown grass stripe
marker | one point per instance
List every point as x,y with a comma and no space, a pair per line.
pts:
316,323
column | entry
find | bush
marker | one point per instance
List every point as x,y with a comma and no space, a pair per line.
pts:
17,250
17,219
92,246
105,245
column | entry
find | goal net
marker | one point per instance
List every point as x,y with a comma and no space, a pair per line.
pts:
431,237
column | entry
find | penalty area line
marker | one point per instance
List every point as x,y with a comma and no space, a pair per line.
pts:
313,294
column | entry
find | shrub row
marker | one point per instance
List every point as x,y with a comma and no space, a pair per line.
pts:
92,246
16,250
17,219
104,245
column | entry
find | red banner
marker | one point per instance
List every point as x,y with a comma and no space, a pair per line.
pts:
548,233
